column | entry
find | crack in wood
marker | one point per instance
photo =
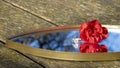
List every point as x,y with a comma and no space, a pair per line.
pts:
33,13
41,64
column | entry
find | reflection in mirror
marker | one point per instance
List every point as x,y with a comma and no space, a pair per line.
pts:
65,41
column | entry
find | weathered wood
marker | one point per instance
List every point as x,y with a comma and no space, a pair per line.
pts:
15,21
12,59
18,16
72,11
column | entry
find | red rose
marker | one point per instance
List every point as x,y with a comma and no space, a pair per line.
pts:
93,32
92,48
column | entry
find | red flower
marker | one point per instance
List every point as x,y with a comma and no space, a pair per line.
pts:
93,32
92,48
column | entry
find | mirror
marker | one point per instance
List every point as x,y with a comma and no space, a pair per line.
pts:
63,41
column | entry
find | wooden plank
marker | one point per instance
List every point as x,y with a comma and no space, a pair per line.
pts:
12,59
17,21
72,11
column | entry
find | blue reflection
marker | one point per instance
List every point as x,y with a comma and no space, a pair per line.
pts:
112,42
69,37
34,44
53,44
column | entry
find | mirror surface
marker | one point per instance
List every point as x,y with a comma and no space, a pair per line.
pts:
63,41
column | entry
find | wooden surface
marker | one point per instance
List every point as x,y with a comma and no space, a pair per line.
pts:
19,16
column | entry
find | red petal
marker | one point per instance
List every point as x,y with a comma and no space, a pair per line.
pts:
92,48
104,48
104,33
